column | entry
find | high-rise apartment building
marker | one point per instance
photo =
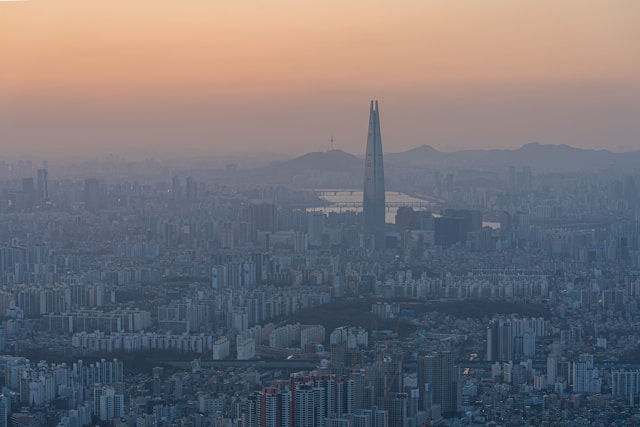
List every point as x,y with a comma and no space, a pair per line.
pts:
388,375
5,410
273,408
627,384
373,201
108,404
584,375
500,340
438,370
309,406
320,397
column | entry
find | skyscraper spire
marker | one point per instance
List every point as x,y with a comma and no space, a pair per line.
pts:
373,202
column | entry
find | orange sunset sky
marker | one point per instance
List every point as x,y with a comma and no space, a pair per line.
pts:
202,77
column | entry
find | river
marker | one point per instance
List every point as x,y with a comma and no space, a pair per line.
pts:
351,200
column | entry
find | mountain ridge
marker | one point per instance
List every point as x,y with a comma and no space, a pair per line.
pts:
337,167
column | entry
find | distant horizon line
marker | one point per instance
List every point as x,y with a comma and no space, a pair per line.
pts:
200,153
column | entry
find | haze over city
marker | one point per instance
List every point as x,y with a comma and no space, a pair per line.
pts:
174,78
319,214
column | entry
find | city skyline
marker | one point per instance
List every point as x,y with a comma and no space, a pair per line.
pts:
203,293
193,231
146,78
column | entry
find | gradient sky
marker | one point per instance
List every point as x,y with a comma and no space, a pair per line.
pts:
195,77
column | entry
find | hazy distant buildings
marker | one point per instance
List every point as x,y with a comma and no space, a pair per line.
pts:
373,203
43,184
28,193
315,228
261,216
92,193
448,231
405,219
453,227
192,189
176,188
519,181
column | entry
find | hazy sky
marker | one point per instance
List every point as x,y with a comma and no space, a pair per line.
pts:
200,77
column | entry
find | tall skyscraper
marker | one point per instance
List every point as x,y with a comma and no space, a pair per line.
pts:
373,202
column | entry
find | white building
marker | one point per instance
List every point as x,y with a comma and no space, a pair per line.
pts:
246,348
585,376
221,348
627,384
107,404
311,334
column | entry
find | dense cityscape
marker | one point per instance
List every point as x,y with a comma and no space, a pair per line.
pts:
153,293
319,214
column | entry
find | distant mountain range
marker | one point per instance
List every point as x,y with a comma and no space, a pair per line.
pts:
541,158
